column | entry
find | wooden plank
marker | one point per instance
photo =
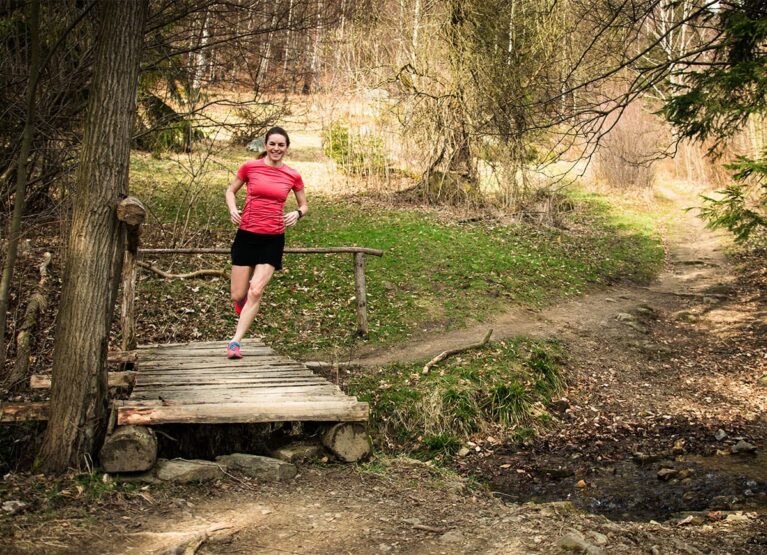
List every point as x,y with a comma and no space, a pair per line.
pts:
266,411
214,352
224,397
217,375
231,382
272,396
249,342
205,394
223,368
116,379
23,412
219,362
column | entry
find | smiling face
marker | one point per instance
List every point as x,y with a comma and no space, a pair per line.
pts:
276,147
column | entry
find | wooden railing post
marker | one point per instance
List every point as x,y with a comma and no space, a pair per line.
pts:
360,293
132,212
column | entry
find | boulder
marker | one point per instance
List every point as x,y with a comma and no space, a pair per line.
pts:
262,468
183,471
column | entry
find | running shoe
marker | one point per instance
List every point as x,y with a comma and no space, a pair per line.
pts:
233,350
238,306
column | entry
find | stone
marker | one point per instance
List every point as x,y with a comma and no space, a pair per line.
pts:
560,405
182,471
298,452
129,449
598,538
720,434
463,451
624,317
743,447
451,536
575,542
256,145
262,468
762,381
666,474
581,484
14,506
349,441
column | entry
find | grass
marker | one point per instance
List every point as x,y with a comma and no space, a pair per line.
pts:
435,274
499,389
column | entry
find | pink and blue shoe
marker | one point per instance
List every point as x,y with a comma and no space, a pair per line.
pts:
233,350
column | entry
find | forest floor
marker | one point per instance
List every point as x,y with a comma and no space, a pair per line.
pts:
661,379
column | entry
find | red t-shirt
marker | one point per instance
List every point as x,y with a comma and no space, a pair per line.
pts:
268,188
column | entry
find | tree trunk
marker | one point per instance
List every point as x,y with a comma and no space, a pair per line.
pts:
95,246
21,172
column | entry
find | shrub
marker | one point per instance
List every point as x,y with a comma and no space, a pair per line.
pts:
355,154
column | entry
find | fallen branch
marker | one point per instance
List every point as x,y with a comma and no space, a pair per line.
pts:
322,365
443,355
37,304
168,275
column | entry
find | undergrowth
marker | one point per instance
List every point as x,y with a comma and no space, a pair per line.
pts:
499,389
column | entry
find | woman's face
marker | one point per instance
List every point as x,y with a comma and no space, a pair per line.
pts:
276,147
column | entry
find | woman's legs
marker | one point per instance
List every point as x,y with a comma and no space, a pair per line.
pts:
261,276
240,280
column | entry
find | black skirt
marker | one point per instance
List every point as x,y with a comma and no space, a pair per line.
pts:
250,249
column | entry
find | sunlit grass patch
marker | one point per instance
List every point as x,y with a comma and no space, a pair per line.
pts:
499,389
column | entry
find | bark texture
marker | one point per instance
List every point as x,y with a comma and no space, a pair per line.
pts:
95,245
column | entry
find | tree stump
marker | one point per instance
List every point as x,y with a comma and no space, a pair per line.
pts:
129,449
349,441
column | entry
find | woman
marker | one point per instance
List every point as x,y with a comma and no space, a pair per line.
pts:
260,240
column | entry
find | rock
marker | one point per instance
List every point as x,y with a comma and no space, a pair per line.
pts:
129,449
666,474
762,381
575,542
581,484
720,502
14,506
560,405
737,517
349,441
636,326
298,452
685,474
599,539
685,316
645,458
183,471
646,311
624,317
678,448
463,451
262,468
256,145
451,536
720,434
743,447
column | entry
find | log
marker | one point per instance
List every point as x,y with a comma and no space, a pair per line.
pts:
23,412
120,380
131,211
189,275
121,357
257,411
360,294
129,449
349,441
37,304
443,355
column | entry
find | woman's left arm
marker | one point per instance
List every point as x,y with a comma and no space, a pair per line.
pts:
292,217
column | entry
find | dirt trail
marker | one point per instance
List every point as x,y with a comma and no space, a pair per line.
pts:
695,264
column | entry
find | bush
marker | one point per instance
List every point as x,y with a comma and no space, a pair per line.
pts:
355,154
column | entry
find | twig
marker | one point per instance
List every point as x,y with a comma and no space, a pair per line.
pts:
168,275
443,355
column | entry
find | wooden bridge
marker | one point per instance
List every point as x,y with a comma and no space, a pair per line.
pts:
196,383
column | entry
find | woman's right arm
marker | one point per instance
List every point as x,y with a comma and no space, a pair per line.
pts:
231,201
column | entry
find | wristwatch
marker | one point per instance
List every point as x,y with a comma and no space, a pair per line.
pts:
300,214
